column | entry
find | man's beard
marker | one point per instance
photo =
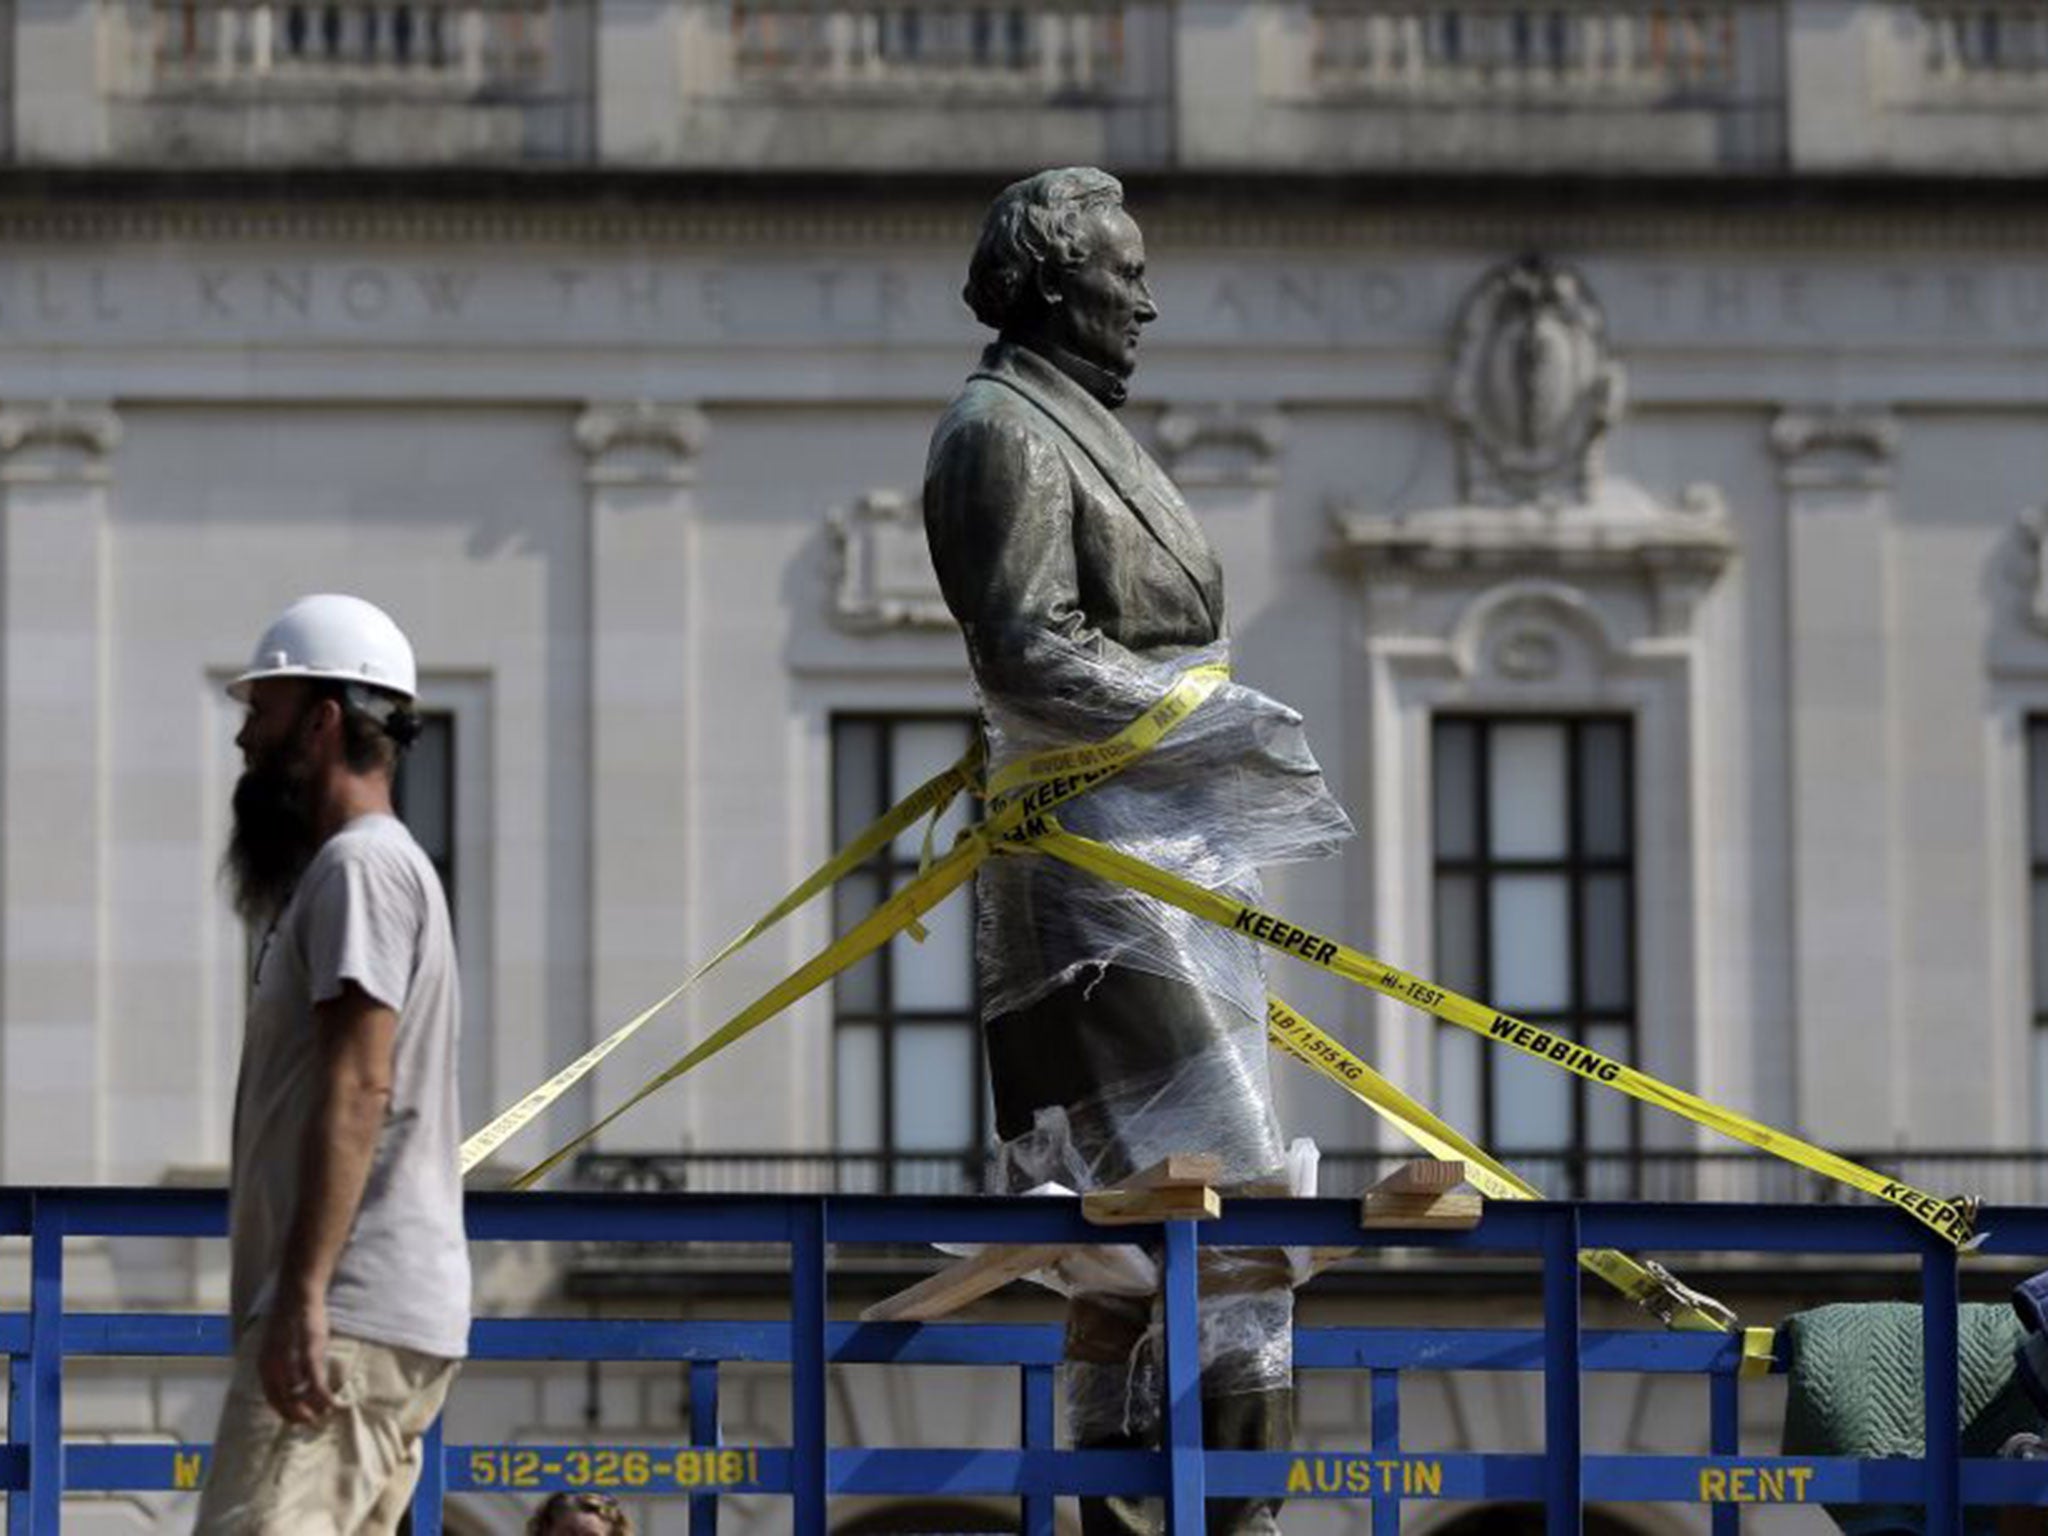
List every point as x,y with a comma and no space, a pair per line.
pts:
273,838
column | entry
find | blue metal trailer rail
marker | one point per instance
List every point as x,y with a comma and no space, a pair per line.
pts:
37,1468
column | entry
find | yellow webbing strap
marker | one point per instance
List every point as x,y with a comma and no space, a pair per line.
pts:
1014,821
1953,1219
1092,764
1650,1286
929,798
865,937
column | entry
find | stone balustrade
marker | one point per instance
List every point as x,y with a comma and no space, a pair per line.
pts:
1519,86
457,45
1973,50
1049,51
1633,51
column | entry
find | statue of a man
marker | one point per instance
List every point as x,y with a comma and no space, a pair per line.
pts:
1118,1029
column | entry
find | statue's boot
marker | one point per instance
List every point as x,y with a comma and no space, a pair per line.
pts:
1112,1400
1120,1515
1242,1421
1248,1421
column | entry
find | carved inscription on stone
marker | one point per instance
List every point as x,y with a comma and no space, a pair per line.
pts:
421,292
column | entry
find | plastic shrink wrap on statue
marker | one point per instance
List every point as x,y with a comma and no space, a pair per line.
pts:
1232,788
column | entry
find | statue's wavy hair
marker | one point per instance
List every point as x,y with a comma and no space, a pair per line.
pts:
1032,222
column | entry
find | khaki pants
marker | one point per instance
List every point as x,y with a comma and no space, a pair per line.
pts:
352,1474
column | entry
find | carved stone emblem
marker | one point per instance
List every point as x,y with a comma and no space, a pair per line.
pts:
1533,389
883,577
1223,445
2033,576
1534,393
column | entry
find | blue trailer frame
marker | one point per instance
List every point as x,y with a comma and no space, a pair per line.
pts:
36,1467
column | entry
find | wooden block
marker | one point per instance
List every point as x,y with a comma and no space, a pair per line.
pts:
1423,1176
1128,1207
963,1281
1421,1212
1320,1259
1177,1168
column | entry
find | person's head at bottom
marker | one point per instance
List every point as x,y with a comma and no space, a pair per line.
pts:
580,1514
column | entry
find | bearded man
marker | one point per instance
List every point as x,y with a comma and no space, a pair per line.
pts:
1118,1029
350,1288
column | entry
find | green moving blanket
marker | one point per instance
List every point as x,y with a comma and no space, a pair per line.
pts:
1855,1390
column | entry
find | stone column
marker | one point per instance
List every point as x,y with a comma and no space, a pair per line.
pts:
1845,901
641,462
54,472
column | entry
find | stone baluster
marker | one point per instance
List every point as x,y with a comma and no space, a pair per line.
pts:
883,28
841,43
1485,47
471,41
1046,31
1607,45
940,53
224,20
262,37
2019,39
1368,47
1084,31
868,44
1578,44
1611,67
174,49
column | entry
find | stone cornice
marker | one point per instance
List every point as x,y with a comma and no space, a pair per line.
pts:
1624,533
1219,211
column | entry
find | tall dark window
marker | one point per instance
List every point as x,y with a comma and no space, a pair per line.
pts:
2037,861
423,795
906,1039
1535,914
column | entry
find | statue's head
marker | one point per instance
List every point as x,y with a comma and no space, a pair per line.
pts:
1060,264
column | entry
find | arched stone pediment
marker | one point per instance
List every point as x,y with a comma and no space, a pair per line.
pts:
1544,632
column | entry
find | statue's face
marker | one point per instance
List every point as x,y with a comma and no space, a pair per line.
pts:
1103,303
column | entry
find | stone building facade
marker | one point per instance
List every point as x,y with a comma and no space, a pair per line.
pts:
1621,425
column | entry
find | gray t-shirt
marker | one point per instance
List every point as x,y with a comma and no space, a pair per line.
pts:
368,909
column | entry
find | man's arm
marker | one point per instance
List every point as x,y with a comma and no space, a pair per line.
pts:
356,1034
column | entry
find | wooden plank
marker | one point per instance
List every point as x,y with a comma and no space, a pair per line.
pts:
1423,1176
963,1281
1177,1168
1128,1207
1421,1212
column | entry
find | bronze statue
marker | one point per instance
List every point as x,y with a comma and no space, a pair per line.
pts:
1117,1029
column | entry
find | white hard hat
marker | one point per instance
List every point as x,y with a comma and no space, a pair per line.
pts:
333,636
